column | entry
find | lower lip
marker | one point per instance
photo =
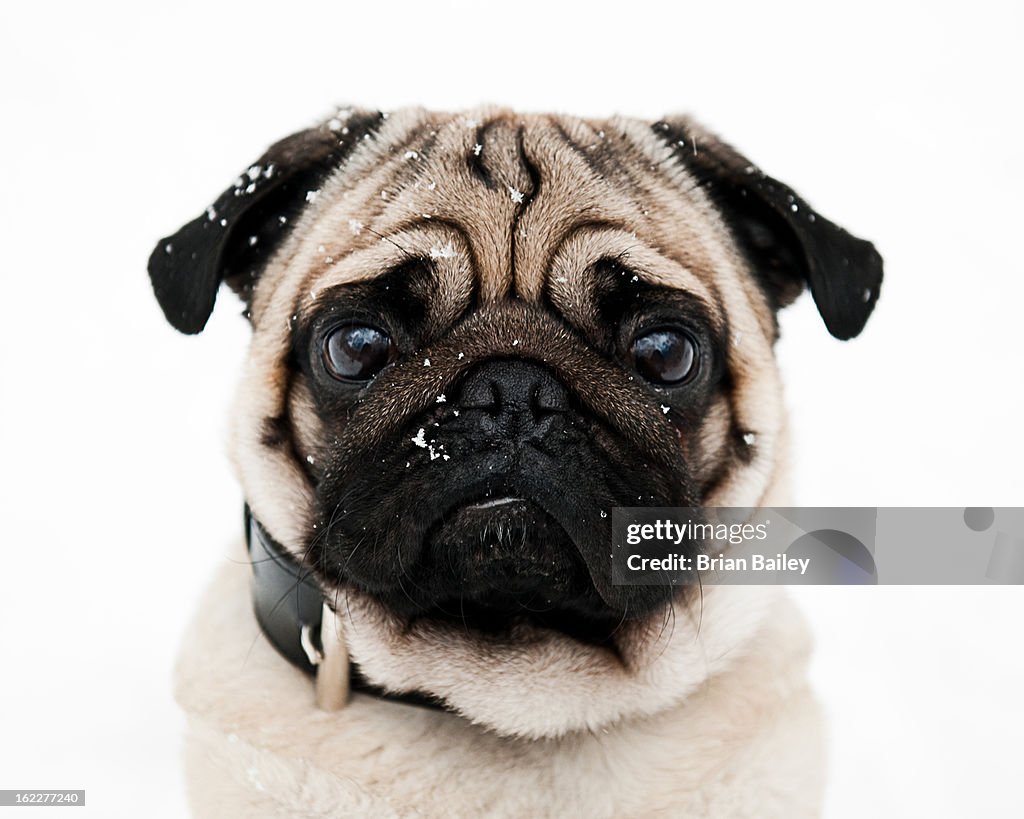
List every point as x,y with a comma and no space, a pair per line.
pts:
491,504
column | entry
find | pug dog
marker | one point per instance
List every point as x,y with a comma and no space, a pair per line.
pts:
473,336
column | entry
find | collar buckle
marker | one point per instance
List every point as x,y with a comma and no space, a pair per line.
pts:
332,674
292,613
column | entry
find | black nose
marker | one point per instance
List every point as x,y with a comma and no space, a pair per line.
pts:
517,400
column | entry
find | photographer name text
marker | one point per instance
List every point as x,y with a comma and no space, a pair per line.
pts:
719,563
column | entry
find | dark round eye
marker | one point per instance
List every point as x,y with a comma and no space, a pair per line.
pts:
664,356
357,352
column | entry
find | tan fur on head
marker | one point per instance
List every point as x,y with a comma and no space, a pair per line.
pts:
515,215
422,186
393,199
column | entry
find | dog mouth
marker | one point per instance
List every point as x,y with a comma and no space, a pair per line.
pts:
499,562
495,543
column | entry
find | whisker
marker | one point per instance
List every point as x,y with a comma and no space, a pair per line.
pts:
390,241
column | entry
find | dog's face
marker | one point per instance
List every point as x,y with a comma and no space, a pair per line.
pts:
473,336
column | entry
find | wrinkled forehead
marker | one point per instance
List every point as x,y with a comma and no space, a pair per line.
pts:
503,205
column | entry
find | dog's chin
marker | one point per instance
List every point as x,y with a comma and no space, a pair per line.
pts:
504,610
497,565
537,681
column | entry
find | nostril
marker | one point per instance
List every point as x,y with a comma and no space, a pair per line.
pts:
537,403
547,399
494,407
485,397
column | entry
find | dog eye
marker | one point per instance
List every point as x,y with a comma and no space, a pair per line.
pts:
664,356
357,352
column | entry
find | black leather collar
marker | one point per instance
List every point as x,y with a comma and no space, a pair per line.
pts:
289,608
286,599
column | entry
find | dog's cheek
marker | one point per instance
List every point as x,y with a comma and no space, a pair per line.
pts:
263,448
707,449
308,428
755,430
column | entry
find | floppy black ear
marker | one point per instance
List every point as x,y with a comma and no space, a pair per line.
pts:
235,237
789,244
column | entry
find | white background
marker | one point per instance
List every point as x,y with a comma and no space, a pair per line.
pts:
901,122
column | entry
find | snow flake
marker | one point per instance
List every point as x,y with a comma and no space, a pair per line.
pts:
477,149
337,122
426,362
517,196
312,195
253,775
355,226
420,440
310,459
749,438
446,251
665,410
441,398
411,155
